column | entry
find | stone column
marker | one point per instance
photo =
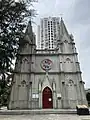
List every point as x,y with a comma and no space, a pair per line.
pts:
40,100
30,96
83,95
54,95
40,96
54,99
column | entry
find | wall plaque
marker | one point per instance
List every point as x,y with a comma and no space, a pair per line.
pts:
35,95
59,95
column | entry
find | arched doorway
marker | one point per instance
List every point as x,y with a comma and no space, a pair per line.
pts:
47,98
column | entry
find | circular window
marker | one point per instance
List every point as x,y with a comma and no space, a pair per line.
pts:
46,64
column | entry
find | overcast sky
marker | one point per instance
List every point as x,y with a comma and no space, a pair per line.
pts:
76,15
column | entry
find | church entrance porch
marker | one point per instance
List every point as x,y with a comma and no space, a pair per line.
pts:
47,98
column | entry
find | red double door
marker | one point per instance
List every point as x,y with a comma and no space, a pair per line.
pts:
47,98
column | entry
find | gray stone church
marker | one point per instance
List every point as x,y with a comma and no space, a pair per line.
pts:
47,78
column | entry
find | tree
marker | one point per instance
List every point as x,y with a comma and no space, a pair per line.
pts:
13,19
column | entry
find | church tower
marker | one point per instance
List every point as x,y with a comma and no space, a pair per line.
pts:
47,78
22,81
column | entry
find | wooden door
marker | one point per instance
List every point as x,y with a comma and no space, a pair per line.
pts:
47,98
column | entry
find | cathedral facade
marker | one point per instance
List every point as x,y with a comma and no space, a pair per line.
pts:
47,78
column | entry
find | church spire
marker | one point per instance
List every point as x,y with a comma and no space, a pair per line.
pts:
30,36
29,31
63,27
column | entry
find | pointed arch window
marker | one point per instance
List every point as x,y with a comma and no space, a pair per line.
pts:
25,64
69,66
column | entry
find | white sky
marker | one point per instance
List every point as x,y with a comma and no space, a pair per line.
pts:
77,20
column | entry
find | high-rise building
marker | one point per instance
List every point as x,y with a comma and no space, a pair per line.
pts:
49,30
38,37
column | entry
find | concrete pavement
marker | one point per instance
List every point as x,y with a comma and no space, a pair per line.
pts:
44,117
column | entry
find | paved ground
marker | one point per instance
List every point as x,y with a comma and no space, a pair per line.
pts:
44,117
